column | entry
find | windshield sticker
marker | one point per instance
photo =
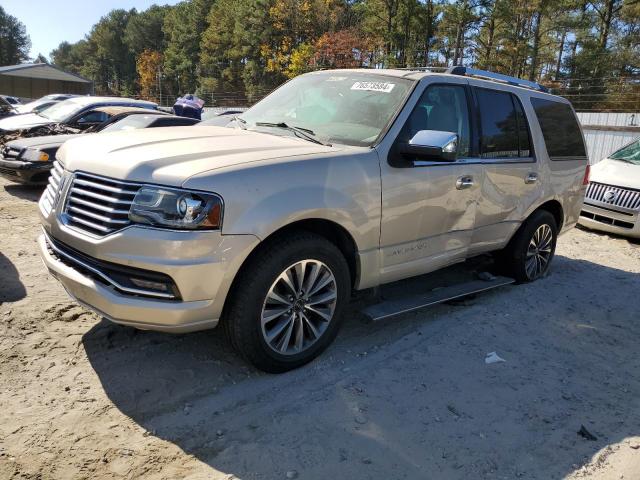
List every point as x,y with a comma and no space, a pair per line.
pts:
374,86
336,79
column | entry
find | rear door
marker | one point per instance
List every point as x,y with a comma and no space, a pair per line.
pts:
511,176
428,207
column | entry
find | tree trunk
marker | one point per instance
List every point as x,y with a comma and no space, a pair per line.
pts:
606,24
537,32
391,13
456,46
560,50
429,31
574,46
488,50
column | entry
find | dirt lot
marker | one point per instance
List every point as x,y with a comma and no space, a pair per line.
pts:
81,398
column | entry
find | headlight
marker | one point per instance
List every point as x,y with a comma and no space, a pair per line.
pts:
33,155
174,208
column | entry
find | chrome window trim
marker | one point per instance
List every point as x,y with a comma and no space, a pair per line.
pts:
475,161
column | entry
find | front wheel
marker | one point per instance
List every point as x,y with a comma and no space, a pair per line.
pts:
288,301
528,255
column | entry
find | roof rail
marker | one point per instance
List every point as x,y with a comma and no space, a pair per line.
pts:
496,77
423,69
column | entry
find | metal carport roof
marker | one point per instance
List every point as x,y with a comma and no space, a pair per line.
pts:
42,71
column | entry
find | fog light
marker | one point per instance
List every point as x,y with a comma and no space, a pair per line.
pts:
150,285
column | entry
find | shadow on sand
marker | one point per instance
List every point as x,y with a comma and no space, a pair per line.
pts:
25,192
11,288
418,403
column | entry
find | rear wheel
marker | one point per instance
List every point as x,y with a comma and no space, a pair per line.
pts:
528,255
287,303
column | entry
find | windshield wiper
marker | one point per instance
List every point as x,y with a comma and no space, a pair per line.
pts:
241,122
305,133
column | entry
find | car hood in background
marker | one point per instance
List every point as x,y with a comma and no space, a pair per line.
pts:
27,120
42,142
617,173
23,109
170,155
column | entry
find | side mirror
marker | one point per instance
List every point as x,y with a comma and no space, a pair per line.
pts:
432,145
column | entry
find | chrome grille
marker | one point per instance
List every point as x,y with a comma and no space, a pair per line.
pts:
614,196
48,199
98,205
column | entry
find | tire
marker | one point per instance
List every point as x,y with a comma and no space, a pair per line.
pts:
516,259
262,288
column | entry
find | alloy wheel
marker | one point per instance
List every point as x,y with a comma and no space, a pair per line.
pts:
299,307
539,252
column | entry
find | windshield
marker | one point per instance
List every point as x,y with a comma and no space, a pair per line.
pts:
131,122
62,111
350,108
630,153
36,103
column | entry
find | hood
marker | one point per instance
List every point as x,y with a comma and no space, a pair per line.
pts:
27,120
42,142
24,109
616,173
170,155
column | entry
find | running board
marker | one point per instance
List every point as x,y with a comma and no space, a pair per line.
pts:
392,308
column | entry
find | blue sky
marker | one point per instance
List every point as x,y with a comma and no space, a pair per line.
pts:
50,22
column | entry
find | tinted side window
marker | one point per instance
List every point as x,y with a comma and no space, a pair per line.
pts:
443,108
524,140
559,128
498,124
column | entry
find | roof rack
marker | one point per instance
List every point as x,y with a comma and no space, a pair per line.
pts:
423,69
496,77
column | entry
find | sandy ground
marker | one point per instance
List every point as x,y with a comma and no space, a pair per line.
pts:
411,398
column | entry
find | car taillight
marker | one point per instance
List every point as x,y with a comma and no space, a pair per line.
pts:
585,180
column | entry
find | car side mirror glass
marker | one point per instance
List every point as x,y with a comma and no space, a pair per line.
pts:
432,145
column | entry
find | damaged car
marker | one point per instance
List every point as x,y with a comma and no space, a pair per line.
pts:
69,116
29,160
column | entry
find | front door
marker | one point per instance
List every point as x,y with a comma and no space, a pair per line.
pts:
428,207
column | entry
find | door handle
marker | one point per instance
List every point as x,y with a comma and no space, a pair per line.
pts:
531,178
463,182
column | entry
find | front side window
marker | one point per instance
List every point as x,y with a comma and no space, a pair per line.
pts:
559,127
351,108
443,108
498,123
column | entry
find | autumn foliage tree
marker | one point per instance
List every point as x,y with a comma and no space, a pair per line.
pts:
342,49
148,67
239,50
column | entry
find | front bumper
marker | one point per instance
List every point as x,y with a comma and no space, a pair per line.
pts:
35,173
202,265
609,220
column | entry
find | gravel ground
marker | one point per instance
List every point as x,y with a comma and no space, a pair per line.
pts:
412,398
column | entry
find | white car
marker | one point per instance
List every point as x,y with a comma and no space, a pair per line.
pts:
612,202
